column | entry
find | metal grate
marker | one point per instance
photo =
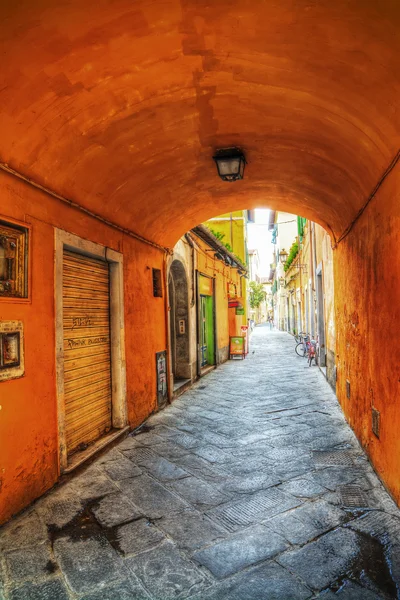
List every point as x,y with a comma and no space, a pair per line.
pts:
352,496
142,456
333,458
257,508
376,422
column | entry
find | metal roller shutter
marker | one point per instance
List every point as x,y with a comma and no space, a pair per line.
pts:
87,351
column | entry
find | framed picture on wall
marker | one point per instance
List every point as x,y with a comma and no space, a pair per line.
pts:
9,350
13,260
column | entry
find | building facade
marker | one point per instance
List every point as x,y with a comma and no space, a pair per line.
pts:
231,229
206,283
85,333
303,284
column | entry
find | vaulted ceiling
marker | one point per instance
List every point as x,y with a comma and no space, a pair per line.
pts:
120,104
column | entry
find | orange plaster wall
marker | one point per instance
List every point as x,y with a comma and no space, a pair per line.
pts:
28,415
367,289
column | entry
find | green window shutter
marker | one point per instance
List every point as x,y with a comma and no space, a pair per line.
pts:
301,222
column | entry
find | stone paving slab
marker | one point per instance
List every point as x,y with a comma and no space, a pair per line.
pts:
137,536
199,493
151,498
164,470
191,530
303,488
266,582
87,563
59,507
350,591
241,550
27,531
130,589
323,561
231,493
115,509
121,468
46,590
30,563
166,573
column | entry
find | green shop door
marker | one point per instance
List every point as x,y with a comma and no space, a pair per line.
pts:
206,320
206,330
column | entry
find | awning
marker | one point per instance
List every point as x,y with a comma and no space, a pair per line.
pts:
234,304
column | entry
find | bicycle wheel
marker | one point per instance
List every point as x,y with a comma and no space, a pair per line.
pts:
300,350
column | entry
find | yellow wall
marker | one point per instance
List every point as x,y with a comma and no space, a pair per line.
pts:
234,231
207,264
234,227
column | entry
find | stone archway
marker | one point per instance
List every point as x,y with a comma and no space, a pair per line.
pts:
179,321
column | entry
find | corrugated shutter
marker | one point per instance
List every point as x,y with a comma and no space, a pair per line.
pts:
87,351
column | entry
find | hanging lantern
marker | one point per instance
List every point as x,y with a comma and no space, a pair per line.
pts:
230,163
283,255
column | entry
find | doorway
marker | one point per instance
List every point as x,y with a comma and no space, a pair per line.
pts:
206,322
87,350
179,323
90,354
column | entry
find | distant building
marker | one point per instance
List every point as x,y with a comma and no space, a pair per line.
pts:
303,285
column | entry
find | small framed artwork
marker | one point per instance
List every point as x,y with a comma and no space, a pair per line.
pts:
13,260
162,381
11,350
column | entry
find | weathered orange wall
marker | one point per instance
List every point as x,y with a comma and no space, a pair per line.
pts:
367,292
28,416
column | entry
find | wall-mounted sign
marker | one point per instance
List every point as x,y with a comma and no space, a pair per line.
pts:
237,348
162,381
231,290
182,326
205,286
11,350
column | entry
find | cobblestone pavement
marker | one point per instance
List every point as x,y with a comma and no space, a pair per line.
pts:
251,486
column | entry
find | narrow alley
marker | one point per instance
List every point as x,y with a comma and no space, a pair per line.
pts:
250,486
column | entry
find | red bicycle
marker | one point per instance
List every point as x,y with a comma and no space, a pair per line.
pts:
307,348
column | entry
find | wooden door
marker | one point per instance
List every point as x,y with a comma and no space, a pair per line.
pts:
87,349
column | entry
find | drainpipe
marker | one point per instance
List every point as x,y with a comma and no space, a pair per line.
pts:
167,330
191,244
314,257
301,282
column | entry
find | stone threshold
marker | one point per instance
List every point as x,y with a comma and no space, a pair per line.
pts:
206,370
181,386
79,458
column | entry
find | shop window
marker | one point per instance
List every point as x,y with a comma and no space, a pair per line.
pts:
13,261
157,283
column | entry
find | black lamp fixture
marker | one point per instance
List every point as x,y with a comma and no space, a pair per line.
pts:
230,163
283,255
